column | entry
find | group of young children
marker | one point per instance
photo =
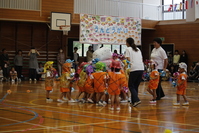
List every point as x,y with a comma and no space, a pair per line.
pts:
13,75
100,83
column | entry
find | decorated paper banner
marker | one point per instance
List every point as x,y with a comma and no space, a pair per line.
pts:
96,29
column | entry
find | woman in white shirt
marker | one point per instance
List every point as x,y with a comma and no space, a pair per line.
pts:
159,55
134,55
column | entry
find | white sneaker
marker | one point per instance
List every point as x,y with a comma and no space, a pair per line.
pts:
111,108
35,79
13,80
72,101
19,80
104,103
49,100
101,104
30,79
59,100
124,101
129,99
109,100
176,104
185,104
90,100
152,101
118,108
82,100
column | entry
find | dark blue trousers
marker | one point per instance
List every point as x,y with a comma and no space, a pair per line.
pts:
135,78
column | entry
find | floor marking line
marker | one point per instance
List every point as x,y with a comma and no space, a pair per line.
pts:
115,120
3,104
132,118
80,122
58,127
34,125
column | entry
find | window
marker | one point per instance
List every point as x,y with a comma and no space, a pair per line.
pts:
108,46
173,9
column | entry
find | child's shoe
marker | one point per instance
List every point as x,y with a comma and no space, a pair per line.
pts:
72,101
118,108
59,100
104,103
152,101
82,100
111,108
99,104
176,104
124,101
49,100
90,100
185,104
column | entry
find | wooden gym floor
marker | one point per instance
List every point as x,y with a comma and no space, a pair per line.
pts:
25,110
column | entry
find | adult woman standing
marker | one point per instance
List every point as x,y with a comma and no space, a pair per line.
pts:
159,55
89,54
33,63
134,55
18,62
60,60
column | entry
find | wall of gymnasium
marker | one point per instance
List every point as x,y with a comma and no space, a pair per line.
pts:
16,35
23,35
21,29
47,6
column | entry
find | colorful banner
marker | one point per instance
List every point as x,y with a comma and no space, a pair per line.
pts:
96,29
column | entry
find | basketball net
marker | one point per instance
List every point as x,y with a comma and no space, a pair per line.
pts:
65,29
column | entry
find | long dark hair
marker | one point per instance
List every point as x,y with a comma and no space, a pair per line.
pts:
131,42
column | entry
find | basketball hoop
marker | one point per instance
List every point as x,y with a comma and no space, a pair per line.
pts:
65,29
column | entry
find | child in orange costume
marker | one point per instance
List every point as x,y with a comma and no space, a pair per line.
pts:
81,84
99,80
88,84
66,81
49,78
116,82
182,84
154,80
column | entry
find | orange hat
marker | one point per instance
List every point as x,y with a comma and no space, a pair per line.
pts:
66,67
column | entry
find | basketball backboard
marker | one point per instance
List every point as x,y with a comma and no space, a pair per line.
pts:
60,19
